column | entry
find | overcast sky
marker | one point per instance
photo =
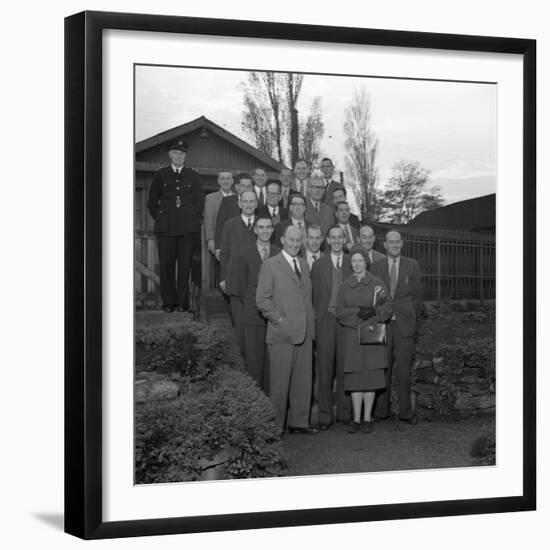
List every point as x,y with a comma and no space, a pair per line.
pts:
450,128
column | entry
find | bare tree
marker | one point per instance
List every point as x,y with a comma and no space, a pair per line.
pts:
311,133
361,145
406,194
271,117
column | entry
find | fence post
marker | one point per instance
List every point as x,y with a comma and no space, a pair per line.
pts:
438,271
481,275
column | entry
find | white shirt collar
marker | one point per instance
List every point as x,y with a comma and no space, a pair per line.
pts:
295,222
176,168
224,194
245,219
290,260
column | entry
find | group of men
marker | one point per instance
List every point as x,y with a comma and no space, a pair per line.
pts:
276,243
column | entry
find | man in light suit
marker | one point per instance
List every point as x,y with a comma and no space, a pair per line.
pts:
249,261
366,243
403,278
286,178
327,168
237,233
301,173
317,212
212,203
342,217
327,275
284,299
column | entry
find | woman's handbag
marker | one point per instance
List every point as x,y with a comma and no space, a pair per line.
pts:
372,333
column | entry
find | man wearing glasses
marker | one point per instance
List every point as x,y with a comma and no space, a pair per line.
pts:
297,208
317,212
272,209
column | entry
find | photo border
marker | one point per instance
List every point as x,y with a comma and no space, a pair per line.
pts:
83,273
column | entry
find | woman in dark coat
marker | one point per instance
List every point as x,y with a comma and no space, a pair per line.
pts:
364,364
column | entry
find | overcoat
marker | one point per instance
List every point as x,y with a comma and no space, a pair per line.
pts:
352,294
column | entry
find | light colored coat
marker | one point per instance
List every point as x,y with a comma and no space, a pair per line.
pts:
212,203
282,295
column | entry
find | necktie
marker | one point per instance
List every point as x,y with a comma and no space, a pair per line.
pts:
338,263
314,256
265,253
393,278
296,270
349,238
274,212
249,224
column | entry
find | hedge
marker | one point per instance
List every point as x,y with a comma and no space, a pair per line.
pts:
224,419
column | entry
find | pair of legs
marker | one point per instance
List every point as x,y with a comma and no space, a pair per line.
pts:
237,310
362,400
175,251
400,350
256,359
328,355
290,382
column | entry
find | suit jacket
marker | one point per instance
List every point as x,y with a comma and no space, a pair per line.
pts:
324,218
212,203
353,221
321,283
236,235
376,256
264,211
282,295
329,189
229,208
247,266
408,293
176,202
280,229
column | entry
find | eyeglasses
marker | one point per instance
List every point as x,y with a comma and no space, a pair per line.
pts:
298,204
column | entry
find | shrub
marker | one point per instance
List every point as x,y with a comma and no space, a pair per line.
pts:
192,349
230,421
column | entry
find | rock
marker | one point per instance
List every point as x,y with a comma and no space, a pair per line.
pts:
141,392
479,388
427,375
424,389
424,400
466,401
439,367
164,389
476,361
486,401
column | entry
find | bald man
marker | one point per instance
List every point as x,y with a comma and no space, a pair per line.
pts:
284,299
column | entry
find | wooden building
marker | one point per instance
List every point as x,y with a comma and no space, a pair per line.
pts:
476,215
211,150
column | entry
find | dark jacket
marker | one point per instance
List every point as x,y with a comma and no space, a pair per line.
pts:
229,208
321,283
236,235
264,212
352,294
247,269
407,302
176,202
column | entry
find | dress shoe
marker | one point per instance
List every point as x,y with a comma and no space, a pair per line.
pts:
325,426
304,431
367,427
168,309
353,427
413,420
180,309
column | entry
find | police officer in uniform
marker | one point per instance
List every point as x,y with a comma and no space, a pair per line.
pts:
176,203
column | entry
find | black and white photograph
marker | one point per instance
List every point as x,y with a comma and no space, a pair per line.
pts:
315,274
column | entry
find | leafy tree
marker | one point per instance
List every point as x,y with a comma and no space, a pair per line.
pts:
406,194
271,117
361,145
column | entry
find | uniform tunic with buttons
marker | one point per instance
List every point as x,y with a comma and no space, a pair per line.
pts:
176,202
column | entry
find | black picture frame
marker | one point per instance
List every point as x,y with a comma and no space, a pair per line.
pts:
83,273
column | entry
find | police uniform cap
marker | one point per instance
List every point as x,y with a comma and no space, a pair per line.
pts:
179,144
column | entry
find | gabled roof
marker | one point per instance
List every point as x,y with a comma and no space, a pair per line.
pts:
201,122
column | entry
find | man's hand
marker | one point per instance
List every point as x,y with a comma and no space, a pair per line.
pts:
212,247
222,286
217,254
